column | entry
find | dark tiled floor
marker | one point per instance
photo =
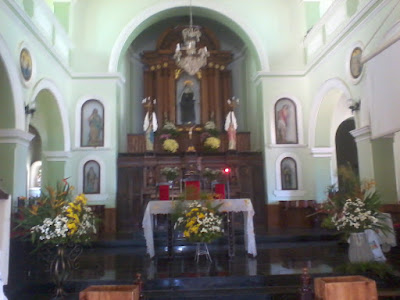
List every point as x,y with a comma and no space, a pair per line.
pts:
116,260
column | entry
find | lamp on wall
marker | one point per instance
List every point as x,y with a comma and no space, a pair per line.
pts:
194,59
354,105
29,110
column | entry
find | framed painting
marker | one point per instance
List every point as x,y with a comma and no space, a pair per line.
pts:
92,124
355,63
285,122
187,100
91,177
25,61
289,174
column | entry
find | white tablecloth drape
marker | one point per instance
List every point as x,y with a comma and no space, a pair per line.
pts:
228,205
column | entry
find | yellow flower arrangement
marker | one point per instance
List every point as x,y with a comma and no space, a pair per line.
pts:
170,145
200,222
56,219
212,143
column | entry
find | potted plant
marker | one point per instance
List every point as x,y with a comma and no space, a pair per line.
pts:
170,173
353,209
62,223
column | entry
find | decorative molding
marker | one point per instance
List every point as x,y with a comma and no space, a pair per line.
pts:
15,136
56,155
31,26
322,152
361,134
289,193
287,146
101,75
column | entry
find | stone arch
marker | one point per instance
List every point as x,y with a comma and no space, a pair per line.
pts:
47,97
135,26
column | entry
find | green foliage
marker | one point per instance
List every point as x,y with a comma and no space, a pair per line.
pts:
57,217
382,270
354,205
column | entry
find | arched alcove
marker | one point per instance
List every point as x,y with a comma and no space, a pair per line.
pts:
346,148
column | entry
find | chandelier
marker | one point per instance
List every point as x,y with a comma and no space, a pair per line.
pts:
193,60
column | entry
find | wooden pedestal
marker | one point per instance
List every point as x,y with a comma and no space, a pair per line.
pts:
345,288
110,292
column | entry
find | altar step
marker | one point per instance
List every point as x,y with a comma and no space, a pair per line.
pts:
230,287
264,238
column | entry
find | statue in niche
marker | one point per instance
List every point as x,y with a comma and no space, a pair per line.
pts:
231,123
150,124
187,103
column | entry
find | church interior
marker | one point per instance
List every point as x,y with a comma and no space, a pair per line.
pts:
252,106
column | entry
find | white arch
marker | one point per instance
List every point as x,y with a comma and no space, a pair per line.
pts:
212,5
46,84
16,88
299,120
330,84
78,123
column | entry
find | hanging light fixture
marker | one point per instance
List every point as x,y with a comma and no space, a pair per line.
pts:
193,60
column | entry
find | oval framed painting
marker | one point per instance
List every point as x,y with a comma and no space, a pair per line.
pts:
25,61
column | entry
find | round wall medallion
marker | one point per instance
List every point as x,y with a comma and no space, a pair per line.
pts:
25,61
356,66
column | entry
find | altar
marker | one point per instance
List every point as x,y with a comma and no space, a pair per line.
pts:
228,206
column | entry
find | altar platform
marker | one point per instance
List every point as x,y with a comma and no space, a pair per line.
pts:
273,274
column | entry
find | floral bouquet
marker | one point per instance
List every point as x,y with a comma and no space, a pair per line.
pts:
199,222
354,207
168,134
211,174
212,143
210,136
170,145
57,219
171,173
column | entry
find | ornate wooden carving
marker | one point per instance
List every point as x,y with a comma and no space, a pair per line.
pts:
138,176
161,73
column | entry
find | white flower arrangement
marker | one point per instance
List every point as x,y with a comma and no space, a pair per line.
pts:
200,223
171,173
355,217
210,125
59,229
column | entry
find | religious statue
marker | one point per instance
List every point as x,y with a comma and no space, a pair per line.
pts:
187,104
95,129
231,123
150,123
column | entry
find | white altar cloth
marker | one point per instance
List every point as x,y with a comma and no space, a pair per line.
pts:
157,207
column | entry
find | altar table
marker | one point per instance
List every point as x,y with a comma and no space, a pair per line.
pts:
229,206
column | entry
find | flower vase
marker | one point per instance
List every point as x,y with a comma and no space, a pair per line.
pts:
359,249
202,249
60,267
